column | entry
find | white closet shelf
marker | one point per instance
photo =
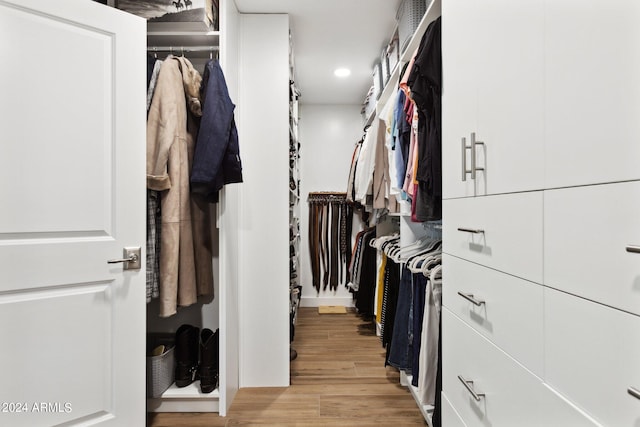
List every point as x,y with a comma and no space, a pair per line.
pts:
186,39
427,410
185,399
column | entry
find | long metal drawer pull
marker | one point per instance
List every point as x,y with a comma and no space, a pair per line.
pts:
633,249
473,155
469,386
634,392
464,158
465,171
471,230
471,299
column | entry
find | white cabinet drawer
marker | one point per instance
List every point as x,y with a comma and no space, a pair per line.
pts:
508,232
592,101
512,395
592,356
586,232
450,417
510,314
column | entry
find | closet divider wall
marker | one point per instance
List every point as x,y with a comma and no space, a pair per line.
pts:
262,206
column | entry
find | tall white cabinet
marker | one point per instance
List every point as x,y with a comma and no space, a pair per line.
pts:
252,286
541,304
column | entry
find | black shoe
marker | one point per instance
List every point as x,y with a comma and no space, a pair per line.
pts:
186,355
209,361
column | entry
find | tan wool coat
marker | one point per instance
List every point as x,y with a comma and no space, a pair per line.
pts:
185,236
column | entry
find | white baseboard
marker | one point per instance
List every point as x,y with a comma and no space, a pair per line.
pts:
318,301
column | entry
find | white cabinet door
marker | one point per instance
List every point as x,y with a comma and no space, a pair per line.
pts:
459,95
592,92
510,75
586,233
72,168
591,357
493,86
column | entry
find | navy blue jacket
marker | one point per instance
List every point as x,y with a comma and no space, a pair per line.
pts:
216,160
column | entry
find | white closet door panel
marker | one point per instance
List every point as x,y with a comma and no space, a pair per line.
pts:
510,314
591,357
592,92
510,392
459,95
450,417
509,232
510,76
586,232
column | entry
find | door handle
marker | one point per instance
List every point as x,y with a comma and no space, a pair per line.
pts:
474,168
131,258
633,249
469,386
465,171
471,299
634,392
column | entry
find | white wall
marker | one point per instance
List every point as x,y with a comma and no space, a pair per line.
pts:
228,222
263,211
328,134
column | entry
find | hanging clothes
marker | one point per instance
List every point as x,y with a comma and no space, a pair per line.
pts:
425,82
185,247
430,340
217,152
154,221
330,216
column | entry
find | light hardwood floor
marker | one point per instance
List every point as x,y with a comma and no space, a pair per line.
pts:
338,379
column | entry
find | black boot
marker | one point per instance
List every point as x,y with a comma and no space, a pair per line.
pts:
186,354
209,344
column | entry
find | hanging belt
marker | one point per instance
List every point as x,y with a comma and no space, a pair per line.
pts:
335,244
314,244
330,219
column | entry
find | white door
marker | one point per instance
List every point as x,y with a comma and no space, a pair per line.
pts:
510,75
72,192
493,71
592,96
459,96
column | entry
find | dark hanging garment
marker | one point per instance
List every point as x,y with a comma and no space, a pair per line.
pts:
216,160
367,286
400,355
151,62
389,302
425,82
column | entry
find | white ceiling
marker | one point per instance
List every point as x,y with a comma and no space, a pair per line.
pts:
328,34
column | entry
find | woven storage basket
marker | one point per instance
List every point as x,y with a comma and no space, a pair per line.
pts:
160,369
409,15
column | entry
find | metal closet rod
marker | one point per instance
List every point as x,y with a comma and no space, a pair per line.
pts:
182,49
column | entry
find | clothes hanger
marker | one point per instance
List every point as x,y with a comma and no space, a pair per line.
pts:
427,266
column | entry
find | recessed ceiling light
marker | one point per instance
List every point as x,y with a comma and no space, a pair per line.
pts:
342,72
